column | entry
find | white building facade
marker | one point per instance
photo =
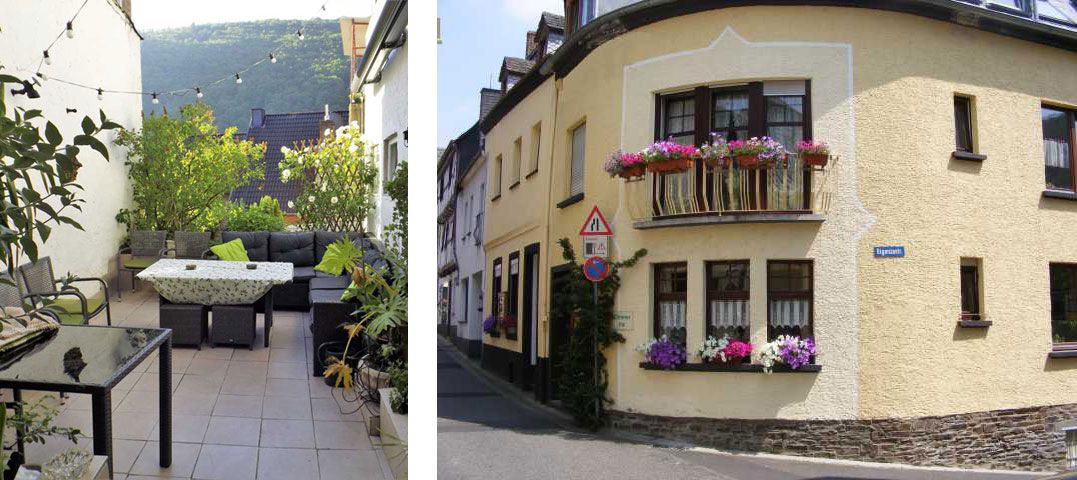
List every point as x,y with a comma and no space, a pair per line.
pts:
105,51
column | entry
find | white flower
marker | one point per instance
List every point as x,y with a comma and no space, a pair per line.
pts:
284,174
328,132
317,162
353,148
284,150
291,204
311,198
354,124
300,160
323,187
333,200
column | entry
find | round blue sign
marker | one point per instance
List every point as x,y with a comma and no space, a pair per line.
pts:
596,269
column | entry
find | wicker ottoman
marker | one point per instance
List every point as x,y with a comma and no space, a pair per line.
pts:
189,323
330,283
233,325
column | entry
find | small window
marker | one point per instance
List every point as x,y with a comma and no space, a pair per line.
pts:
1058,10
496,178
495,299
727,299
789,298
512,304
585,12
785,119
679,119
971,288
517,151
671,301
1064,305
1011,4
579,144
1058,141
536,141
730,117
963,123
389,168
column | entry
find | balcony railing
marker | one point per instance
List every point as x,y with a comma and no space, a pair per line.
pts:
704,191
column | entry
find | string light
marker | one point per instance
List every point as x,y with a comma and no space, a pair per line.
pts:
71,29
42,76
238,79
155,100
48,60
198,92
100,94
272,58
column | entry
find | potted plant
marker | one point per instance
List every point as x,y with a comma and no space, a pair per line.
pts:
716,153
725,350
507,322
756,152
664,353
813,153
790,350
710,351
489,325
669,157
625,165
736,351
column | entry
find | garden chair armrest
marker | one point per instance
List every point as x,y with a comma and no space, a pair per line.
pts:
74,293
104,284
124,250
164,252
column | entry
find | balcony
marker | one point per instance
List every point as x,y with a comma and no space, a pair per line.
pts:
707,195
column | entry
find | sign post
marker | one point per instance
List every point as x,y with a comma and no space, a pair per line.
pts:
596,233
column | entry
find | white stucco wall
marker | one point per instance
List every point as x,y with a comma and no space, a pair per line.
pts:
470,258
387,114
106,51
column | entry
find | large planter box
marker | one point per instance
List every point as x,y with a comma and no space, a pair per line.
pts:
394,436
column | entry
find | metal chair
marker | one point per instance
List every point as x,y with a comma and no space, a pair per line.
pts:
145,247
71,305
188,245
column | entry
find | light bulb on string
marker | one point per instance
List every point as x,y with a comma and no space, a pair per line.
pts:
155,100
100,94
47,58
272,58
70,29
299,33
42,76
198,92
238,79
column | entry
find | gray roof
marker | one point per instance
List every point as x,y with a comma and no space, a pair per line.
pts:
517,65
553,21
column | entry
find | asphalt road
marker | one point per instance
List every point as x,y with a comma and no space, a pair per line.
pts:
485,435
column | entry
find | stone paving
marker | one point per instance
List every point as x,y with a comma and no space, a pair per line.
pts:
237,414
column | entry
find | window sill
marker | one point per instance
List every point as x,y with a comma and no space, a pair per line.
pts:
761,217
577,198
1062,354
1060,194
532,174
744,367
495,197
972,157
974,323
514,185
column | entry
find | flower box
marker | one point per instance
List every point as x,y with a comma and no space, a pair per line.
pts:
815,159
633,172
748,161
671,166
813,153
722,162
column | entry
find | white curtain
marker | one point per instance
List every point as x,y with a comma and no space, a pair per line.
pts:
673,314
790,313
729,313
1056,153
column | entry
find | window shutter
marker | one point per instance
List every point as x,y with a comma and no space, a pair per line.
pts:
579,136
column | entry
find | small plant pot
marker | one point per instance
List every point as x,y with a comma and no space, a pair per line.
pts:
717,162
748,161
633,172
815,159
670,166
252,266
190,266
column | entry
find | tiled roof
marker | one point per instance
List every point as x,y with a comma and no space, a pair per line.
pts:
488,97
517,65
282,130
553,21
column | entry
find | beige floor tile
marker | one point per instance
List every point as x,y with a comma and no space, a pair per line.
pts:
178,366
284,387
287,355
128,382
184,456
288,370
247,369
286,408
218,353
199,385
185,428
151,382
141,402
330,410
226,462
249,406
37,453
80,419
259,354
124,453
287,433
193,404
210,367
287,464
133,426
233,431
341,436
243,385
78,401
342,464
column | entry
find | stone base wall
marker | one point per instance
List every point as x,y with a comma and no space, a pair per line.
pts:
1024,438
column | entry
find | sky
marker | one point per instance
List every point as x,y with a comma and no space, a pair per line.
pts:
476,36
158,14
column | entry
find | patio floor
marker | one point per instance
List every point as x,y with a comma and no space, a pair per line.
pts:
237,414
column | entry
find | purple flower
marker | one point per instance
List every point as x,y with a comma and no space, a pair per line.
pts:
666,354
796,352
489,324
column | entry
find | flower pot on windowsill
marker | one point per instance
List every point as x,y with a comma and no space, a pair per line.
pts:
670,166
748,161
633,172
815,159
722,162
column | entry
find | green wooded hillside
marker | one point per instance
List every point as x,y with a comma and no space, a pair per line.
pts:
308,74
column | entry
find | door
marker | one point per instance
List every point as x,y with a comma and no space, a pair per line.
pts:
558,328
530,314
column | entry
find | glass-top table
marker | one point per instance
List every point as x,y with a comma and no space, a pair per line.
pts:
93,359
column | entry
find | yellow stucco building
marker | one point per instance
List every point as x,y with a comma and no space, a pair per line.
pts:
951,129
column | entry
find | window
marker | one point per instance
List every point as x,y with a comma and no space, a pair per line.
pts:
496,178
1010,4
1064,305
1058,141
963,123
671,301
789,298
1058,10
517,152
512,304
584,13
971,285
679,121
536,140
579,143
727,299
389,168
496,297
730,114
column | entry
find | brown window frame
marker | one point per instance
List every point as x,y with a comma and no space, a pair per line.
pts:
512,304
792,295
970,279
964,140
496,290
715,294
1059,346
660,296
1071,120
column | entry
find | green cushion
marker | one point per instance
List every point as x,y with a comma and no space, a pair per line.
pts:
71,304
138,263
232,251
70,318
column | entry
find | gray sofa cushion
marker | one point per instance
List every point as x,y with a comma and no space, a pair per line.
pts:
296,248
303,274
373,252
323,239
256,243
